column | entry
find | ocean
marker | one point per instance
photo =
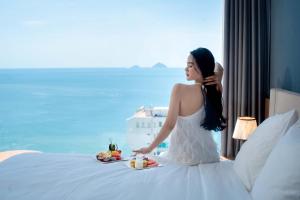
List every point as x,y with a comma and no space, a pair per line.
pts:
77,110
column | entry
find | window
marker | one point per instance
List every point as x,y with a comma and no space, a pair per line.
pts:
113,94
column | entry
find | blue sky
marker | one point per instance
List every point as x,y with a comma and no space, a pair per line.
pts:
73,33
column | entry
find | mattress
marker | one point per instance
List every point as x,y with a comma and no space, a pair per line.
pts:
46,176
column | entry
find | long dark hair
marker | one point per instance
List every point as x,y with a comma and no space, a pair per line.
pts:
214,119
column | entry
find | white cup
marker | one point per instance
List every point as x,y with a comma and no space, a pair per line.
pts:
139,162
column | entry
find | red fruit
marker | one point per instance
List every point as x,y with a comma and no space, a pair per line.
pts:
153,165
119,151
115,153
150,162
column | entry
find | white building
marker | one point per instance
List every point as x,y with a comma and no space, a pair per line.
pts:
144,125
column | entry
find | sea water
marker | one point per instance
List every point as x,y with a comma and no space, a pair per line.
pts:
78,110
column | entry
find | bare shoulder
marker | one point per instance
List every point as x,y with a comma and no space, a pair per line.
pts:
183,87
179,86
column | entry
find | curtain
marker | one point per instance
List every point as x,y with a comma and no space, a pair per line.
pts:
246,64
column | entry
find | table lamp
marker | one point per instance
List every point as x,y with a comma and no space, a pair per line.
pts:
244,127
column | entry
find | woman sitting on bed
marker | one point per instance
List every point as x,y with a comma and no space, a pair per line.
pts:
194,111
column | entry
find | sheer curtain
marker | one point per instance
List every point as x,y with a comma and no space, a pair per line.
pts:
246,64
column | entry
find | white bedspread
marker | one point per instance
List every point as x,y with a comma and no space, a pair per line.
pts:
41,176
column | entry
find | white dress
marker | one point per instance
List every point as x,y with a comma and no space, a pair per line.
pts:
190,143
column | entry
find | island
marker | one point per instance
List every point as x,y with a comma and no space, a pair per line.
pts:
159,66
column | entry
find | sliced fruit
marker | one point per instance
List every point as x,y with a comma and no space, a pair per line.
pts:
118,157
153,165
145,163
150,162
115,153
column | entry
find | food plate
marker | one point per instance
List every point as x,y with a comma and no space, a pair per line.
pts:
128,165
111,160
146,163
110,156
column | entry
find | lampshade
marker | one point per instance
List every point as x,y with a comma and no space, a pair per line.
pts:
244,127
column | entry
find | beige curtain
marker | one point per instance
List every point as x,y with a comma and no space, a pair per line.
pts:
246,64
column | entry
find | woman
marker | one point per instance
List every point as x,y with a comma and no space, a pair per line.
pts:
194,111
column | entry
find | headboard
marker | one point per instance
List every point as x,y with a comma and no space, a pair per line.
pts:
283,100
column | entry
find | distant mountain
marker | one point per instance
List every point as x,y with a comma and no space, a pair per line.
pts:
159,66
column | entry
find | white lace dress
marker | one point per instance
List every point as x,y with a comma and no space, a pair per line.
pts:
190,143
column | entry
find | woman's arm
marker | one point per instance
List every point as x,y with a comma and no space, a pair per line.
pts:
219,71
169,123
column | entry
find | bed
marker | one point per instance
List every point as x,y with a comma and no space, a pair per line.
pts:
73,176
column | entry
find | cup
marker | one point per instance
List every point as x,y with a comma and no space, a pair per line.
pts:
139,162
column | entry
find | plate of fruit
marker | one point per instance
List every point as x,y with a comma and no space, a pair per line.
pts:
112,155
142,162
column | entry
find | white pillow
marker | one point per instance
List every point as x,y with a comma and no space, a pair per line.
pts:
254,152
280,177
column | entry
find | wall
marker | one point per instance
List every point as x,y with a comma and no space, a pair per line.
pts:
285,44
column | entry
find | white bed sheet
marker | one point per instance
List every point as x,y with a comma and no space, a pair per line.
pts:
46,176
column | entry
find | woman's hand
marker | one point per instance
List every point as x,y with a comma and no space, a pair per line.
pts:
215,79
143,150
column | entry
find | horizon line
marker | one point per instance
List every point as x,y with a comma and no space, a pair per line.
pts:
89,67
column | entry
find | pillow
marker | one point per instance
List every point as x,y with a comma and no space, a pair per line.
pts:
254,152
280,177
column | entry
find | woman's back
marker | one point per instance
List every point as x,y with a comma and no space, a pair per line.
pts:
191,99
190,143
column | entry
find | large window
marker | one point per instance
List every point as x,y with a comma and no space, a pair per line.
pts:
72,72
